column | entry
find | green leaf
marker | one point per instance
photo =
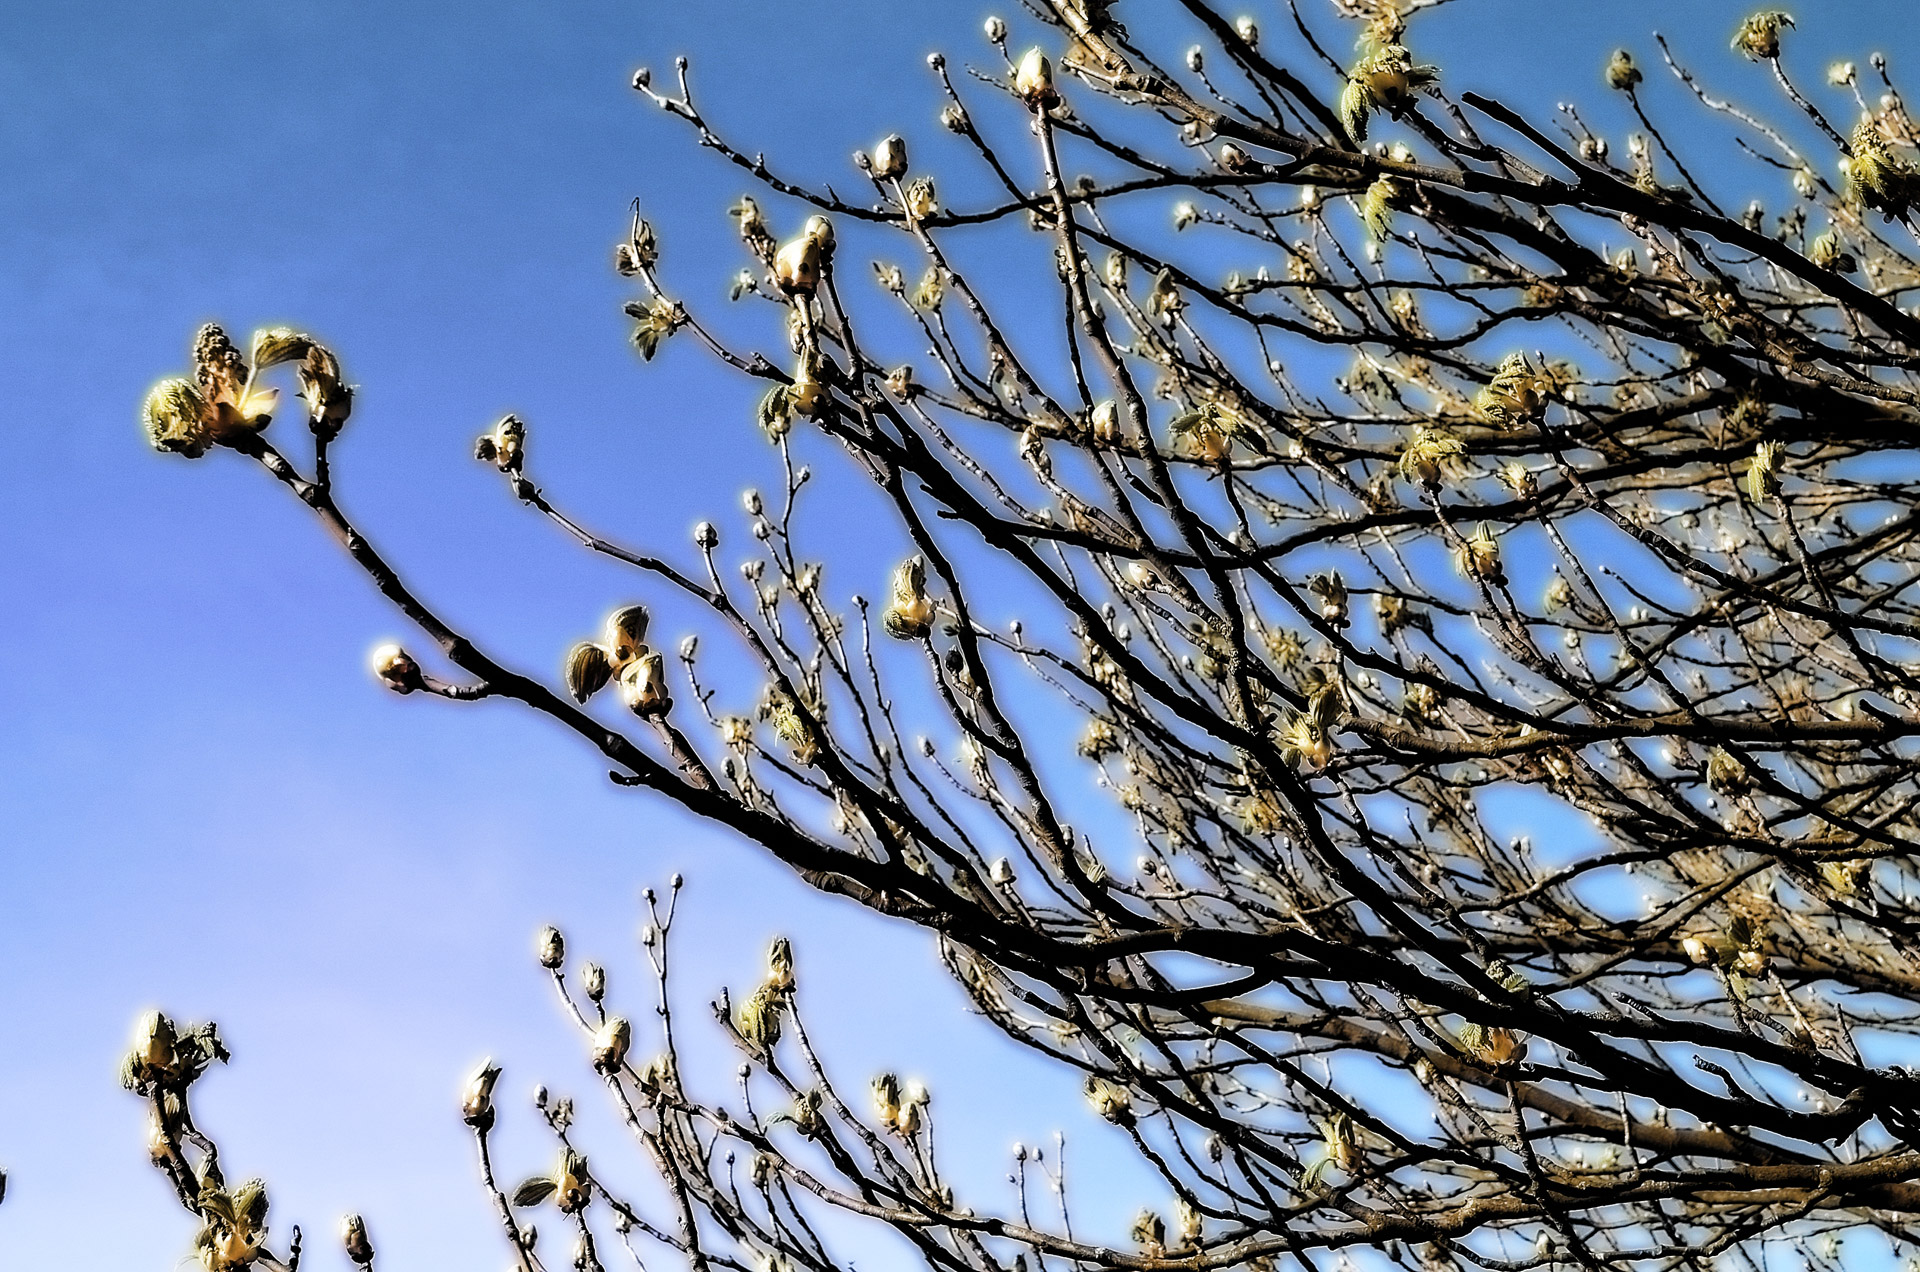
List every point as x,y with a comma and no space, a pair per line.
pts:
534,1191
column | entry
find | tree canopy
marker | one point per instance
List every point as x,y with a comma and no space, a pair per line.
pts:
1487,612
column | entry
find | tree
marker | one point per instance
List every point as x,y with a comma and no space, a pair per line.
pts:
1508,483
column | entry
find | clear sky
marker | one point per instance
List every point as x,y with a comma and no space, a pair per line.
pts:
205,804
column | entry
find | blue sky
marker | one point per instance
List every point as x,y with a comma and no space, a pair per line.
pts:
204,803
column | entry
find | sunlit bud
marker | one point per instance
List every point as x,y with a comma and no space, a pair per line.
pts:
575,1187
796,268
1309,198
642,78
890,158
922,201
550,948
996,31
1112,1102
1249,32
504,446
705,536
643,685
936,60
910,616
353,1236
1184,215
1726,775
593,981
175,418
476,1106
953,118
1622,74
588,670
1234,159
1003,871
820,230
611,1042
626,634
1759,36
1106,423
1033,81
396,670
329,400
900,381
1841,74
1196,59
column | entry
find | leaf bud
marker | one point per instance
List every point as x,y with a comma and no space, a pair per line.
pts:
397,670
353,1236
476,1106
796,268
175,418
890,158
611,1042
1033,80
550,947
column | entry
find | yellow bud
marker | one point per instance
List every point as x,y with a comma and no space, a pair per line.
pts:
1033,80
175,418
890,158
397,670
611,1042
796,268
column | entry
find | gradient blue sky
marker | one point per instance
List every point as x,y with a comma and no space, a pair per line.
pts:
204,802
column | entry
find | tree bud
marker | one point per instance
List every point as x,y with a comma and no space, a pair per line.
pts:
820,230
611,1042
796,268
890,158
397,670
353,1236
705,536
550,947
1033,81
476,1106
627,634
996,31
175,418
593,981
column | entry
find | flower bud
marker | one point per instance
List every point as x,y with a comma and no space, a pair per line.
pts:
890,158
1249,32
643,685
820,230
642,78
796,268
353,1235
397,670
550,948
1033,81
611,1042
996,31
705,536
1234,159
476,1106
910,617
627,634
593,981
1196,59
